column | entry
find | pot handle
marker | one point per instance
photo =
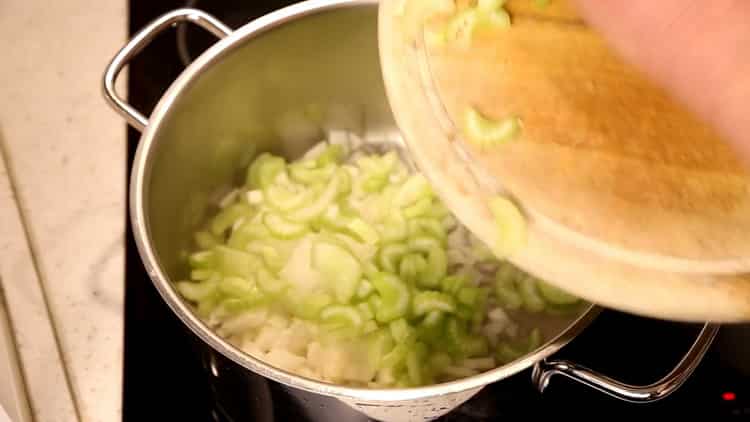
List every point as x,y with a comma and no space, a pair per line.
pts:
141,40
545,369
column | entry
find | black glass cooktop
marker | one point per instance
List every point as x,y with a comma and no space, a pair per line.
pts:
170,375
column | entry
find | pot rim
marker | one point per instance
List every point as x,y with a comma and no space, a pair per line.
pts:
140,174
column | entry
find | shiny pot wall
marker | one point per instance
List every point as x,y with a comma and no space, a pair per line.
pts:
278,84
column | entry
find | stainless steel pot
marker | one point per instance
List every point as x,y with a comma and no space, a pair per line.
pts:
274,85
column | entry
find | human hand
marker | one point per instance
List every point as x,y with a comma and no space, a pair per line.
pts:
698,50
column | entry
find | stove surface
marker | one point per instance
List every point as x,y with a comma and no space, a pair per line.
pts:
170,375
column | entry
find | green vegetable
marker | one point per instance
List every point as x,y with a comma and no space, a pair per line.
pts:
389,256
510,351
532,301
487,133
283,228
236,263
395,297
322,201
428,301
196,291
341,316
411,266
236,286
310,305
511,226
554,295
264,170
339,271
228,216
206,240
453,283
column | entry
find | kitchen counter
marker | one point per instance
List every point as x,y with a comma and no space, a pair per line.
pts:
62,208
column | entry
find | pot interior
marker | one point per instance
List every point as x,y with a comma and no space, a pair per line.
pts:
280,90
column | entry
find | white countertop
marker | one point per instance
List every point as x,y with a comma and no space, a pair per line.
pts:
62,205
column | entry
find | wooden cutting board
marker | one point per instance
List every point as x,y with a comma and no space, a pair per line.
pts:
631,201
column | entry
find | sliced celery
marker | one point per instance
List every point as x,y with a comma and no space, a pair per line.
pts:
510,351
283,227
284,199
506,287
487,133
411,267
507,353
237,286
475,346
511,226
264,170
271,255
369,327
489,5
439,361
395,227
322,201
196,292
247,232
452,284
455,336
363,231
435,271
428,301
233,262
310,305
341,316
332,154
468,296
202,259
375,302
555,295
235,305
366,312
208,305
206,240
375,183
349,265
379,343
425,243
401,331
395,297
480,308
460,29
396,356
414,189
202,274
431,329
427,226
464,312
365,289
309,176
390,255
532,301
535,340
228,216
414,359
419,208
499,19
